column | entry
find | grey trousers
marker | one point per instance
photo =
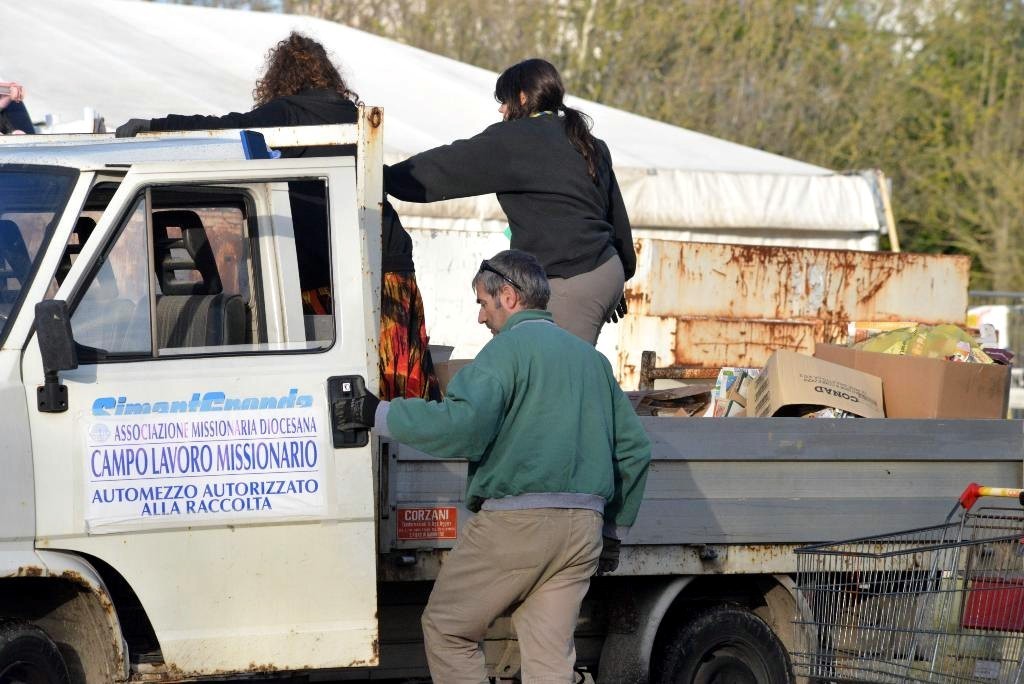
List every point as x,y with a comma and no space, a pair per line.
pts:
582,303
538,561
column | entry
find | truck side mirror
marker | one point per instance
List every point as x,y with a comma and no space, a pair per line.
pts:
57,349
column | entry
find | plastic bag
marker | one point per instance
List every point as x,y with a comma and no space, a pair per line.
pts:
934,342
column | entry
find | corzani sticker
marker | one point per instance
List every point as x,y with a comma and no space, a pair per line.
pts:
209,401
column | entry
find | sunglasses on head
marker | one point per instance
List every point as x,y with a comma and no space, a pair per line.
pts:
485,266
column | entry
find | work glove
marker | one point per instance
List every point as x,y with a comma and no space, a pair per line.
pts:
609,559
132,128
356,413
618,312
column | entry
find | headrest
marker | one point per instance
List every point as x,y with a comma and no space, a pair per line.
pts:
190,252
83,229
16,262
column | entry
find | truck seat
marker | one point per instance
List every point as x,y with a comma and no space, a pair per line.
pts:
191,311
189,254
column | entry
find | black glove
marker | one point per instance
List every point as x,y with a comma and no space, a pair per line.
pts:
618,312
132,128
356,413
609,559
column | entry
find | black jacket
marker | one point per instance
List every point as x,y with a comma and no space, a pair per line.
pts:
14,117
555,210
308,108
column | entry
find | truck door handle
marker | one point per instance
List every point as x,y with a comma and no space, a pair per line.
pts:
341,389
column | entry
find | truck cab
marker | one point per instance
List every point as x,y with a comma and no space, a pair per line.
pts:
180,506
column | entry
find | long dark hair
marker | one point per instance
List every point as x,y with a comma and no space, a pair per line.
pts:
539,82
295,64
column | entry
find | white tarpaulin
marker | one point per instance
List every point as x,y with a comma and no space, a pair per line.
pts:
144,59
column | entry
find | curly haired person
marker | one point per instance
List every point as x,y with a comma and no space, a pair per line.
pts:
301,87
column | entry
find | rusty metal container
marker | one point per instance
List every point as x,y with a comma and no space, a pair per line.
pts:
705,306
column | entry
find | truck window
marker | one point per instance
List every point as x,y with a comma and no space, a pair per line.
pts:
32,199
113,314
202,270
95,204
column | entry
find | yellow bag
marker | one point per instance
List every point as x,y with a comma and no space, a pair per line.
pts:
934,342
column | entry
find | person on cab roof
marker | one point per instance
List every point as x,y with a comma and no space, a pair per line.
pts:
14,118
555,182
302,87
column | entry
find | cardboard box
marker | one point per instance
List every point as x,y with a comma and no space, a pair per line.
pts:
918,387
445,370
792,381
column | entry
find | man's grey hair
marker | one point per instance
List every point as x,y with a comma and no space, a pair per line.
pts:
523,273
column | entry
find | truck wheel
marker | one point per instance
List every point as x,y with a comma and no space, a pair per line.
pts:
29,656
724,645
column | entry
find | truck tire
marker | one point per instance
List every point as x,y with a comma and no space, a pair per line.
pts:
29,656
723,645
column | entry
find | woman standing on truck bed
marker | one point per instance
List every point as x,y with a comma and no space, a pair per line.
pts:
301,87
554,180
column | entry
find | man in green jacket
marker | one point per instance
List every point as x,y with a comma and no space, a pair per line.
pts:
556,457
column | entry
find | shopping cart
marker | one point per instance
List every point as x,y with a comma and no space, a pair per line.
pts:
934,604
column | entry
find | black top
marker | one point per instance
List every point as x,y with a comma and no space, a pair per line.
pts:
555,210
308,108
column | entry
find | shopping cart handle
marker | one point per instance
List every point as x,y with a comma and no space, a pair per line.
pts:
975,491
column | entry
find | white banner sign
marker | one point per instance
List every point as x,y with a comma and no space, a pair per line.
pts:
163,468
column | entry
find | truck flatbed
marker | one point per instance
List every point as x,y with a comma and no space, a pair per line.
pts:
761,483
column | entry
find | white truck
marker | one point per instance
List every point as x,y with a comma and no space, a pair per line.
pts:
176,505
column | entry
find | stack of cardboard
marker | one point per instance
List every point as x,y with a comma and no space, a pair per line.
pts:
874,385
917,387
730,393
843,382
679,401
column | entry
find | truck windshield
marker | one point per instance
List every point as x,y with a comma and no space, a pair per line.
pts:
32,199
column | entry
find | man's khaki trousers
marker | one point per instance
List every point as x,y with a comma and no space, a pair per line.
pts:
537,561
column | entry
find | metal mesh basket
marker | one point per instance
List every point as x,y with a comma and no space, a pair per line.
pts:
935,604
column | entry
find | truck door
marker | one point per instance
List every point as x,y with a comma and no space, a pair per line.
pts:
196,457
